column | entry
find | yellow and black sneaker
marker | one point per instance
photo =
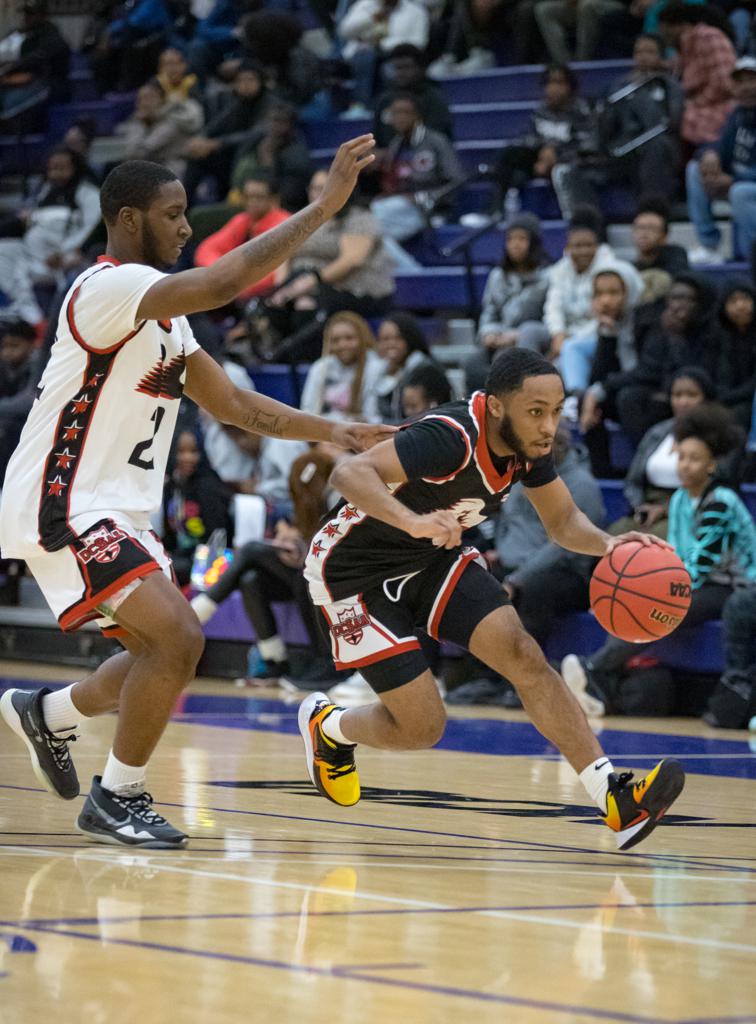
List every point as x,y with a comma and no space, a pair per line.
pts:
632,811
331,765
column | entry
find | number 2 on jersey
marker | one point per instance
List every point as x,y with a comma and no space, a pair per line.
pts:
135,459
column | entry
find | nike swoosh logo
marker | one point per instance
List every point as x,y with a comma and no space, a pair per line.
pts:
601,765
128,830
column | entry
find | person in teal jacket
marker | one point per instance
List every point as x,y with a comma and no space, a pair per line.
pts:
710,529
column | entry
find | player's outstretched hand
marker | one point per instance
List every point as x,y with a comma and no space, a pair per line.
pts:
440,527
648,539
350,158
360,436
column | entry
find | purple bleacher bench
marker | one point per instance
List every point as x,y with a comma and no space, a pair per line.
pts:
230,622
524,82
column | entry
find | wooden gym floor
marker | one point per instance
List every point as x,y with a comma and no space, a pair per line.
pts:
470,883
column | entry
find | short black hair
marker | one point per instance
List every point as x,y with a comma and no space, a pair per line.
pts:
587,218
700,376
511,367
265,176
18,328
432,380
712,424
657,205
408,50
133,183
560,69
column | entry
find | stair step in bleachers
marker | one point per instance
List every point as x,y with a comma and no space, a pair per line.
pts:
23,154
107,113
524,82
487,249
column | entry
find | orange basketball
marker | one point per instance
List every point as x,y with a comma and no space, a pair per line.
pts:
639,592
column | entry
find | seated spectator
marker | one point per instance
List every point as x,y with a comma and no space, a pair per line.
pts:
474,26
616,291
682,335
645,100
406,74
277,146
32,60
215,38
159,128
567,309
424,388
652,476
126,48
341,266
211,154
370,30
733,703
561,130
42,241
402,347
175,78
650,230
79,139
736,372
261,213
728,172
339,383
21,366
710,529
292,71
561,21
512,299
706,61
268,571
419,171
195,504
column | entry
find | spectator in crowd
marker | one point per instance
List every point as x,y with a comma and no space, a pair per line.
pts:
43,240
175,78
370,30
736,370
424,388
733,702
645,101
710,529
616,291
341,266
419,172
277,146
650,231
729,172
261,213
268,571
339,383
406,74
473,27
126,48
195,504
159,128
215,38
652,476
561,21
21,366
567,310
403,348
561,130
707,58
293,72
79,139
32,60
682,335
211,154
512,299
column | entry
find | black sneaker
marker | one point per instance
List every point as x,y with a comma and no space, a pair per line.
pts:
50,757
126,821
632,811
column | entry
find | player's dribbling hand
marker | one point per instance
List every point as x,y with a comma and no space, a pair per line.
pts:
647,539
440,527
350,158
358,437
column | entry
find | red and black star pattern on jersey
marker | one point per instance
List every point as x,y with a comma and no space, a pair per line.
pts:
64,456
164,379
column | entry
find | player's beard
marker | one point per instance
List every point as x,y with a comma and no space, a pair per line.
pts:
150,248
511,438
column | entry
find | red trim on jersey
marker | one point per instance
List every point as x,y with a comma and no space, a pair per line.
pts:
86,609
114,632
468,449
75,331
495,480
446,592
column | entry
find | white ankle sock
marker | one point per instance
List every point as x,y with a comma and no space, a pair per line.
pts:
204,607
595,778
272,649
59,710
332,727
123,779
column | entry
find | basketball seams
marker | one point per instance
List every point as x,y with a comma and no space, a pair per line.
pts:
623,606
645,597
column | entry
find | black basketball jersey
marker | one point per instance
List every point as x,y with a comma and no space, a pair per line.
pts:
449,466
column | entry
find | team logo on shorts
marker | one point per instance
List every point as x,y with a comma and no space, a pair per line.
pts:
101,545
351,625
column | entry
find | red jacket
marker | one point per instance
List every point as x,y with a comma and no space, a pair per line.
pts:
237,231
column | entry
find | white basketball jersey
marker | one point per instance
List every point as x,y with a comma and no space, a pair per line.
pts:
99,433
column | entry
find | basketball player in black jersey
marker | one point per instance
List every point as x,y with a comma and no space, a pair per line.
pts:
390,561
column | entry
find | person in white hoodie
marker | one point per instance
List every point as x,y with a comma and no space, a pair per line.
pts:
567,310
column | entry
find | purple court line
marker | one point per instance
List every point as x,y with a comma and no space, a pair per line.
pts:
84,922
629,860
348,974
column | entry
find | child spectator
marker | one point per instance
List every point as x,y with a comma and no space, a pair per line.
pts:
339,383
402,347
424,388
650,230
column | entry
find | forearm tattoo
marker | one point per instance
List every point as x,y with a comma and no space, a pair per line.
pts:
276,246
272,424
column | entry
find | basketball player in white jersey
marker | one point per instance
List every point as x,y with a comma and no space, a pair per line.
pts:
89,468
